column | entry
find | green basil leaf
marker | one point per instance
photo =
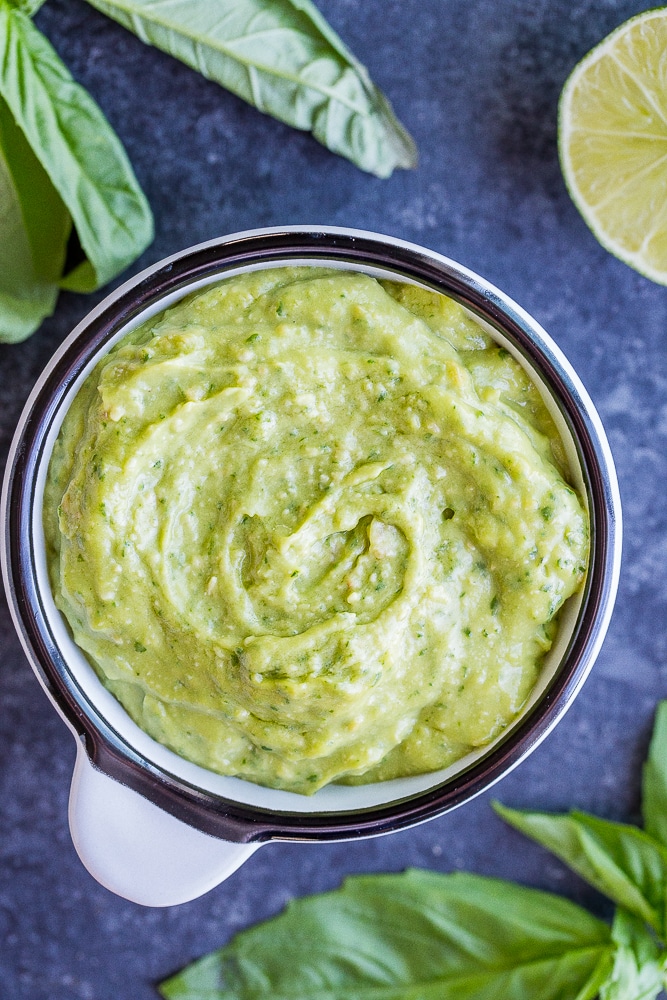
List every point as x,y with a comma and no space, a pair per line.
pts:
654,784
34,225
414,935
637,972
77,148
46,221
621,861
282,57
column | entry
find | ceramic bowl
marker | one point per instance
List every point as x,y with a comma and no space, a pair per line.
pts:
158,829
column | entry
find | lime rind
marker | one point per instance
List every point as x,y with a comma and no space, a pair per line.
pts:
624,203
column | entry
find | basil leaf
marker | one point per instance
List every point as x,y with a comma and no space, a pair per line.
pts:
77,147
637,972
620,861
282,57
46,221
654,784
414,935
32,248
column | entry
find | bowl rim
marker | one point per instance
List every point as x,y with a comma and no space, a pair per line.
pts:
221,816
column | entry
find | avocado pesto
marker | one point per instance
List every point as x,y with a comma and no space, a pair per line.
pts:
311,527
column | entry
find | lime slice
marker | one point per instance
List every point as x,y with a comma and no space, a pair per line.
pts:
612,135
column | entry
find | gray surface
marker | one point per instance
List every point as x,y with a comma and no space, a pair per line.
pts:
477,81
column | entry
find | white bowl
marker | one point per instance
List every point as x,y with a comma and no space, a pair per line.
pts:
157,828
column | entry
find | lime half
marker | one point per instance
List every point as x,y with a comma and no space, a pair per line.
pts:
612,136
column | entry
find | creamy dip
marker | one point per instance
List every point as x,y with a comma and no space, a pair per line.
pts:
311,527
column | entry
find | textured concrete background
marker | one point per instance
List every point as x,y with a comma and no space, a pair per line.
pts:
477,82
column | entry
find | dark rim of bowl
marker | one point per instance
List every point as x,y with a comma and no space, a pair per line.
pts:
109,751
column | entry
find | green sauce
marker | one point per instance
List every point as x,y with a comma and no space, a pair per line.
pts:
310,527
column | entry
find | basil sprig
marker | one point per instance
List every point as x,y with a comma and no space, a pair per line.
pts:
65,180
426,936
61,167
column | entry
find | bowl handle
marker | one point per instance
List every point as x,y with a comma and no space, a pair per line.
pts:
138,850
